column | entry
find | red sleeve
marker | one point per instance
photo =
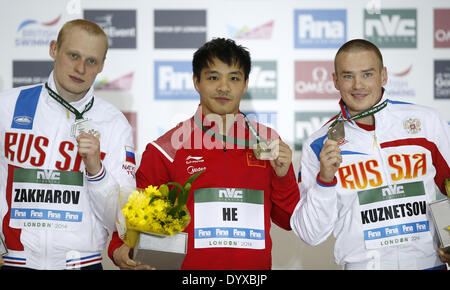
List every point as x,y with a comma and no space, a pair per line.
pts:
153,170
115,243
285,196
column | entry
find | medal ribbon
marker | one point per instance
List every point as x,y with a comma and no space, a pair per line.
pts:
363,114
59,99
229,139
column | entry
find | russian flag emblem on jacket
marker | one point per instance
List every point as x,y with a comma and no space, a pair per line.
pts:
129,155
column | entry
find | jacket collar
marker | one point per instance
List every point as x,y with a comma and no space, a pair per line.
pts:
343,106
238,132
78,104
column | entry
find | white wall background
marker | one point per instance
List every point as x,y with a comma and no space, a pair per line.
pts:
411,70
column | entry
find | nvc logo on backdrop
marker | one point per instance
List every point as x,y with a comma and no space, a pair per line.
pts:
392,28
262,83
306,123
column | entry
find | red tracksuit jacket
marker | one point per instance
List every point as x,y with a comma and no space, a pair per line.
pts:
231,203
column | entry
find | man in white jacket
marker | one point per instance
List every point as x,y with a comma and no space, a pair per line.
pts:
368,175
65,154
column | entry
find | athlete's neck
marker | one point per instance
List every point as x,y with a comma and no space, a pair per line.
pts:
66,95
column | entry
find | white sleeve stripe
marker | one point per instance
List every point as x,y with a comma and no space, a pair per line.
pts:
162,151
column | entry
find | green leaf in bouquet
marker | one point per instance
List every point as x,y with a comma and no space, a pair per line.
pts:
181,192
192,178
153,199
182,199
184,195
173,195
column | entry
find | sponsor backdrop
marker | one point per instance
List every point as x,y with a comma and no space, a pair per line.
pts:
148,73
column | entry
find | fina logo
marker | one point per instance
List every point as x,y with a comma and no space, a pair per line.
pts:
320,28
23,120
173,80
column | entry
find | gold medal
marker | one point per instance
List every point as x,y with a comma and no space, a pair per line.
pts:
261,151
447,186
337,132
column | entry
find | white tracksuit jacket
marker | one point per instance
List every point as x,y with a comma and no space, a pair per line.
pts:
378,210
52,214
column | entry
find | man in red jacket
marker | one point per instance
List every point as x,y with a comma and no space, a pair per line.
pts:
247,180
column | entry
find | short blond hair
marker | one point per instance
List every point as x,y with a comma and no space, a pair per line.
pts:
357,45
88,26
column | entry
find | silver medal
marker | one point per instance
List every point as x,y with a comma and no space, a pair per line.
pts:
81,126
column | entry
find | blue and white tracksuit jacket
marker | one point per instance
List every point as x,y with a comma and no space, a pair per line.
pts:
378,206
52,215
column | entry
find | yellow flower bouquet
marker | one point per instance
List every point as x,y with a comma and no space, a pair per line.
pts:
157,210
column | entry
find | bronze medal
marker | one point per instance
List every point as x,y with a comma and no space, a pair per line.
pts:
336,131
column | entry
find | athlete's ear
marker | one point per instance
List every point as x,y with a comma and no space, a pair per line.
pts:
196,81
335,80
384,76
246,87
53,49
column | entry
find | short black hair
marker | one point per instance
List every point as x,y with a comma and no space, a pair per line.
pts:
225,50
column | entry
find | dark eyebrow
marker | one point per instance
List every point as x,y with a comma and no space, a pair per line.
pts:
235,73
211,72
208,72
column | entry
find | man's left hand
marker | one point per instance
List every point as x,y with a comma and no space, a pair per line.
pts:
445,257
89,150
283,157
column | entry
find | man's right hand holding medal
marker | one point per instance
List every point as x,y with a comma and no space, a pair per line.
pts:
89,150
330,160
281,157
